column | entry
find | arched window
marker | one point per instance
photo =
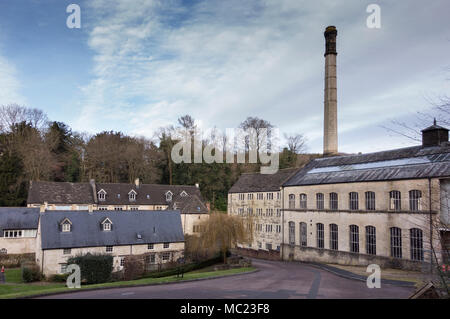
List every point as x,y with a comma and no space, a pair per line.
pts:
415,200
395,200
354,238
396,242
291,201
291,233
370,200
333,236
303,201
320,201
371,240
353,201
334,201
416,243
319,232
303,234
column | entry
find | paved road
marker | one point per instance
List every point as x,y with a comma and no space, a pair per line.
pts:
274,280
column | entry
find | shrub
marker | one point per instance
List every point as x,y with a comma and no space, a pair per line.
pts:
133,267
95,268
16,260
31,272
58,278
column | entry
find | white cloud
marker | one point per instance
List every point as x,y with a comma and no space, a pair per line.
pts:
222,61
9,84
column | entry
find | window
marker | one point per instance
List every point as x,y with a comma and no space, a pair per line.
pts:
67,251
150,259
333,201
150,246
371,240
278,195
259,244
370,200
395,200
291,201
268,246
109,249
354,238
12,233
102,195
122,261
319,232
166,245
319,201
269,196
278,228
260,196
303,234
66,226
165,256
107,225
250,196
132,196
118,208
353,201
291,233
396,242
134,208
241,196
278,212
333,236
103,208
416,243
415,200
63,268
303,201
183,194
169,196
268,228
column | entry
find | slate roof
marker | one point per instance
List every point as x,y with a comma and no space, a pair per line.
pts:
83,193
60,193
256,182
126,225
18,218
404,163
189,205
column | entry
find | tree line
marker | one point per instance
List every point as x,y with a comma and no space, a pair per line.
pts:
34,148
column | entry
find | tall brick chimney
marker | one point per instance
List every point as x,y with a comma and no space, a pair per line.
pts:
330,137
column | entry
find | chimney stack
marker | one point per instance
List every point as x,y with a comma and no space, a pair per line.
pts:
330,138
137,183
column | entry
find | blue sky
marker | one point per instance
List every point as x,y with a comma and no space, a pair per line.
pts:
137,65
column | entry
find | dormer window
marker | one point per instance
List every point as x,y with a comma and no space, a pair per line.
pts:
66,225
132,195
101,195
148,196
169,195
106,224
184,194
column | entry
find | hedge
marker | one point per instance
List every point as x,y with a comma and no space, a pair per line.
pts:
95,268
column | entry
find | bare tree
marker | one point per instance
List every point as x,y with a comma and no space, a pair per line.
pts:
296,142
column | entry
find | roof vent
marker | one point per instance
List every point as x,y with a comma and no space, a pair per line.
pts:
434,135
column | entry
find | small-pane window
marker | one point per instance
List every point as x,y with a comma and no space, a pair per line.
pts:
291,233
319,201
395,200
353,201
333,236
371,240
415,200
416,242
333,201
370,200
291,201
319,231
303,234
303,201
396,242
354,238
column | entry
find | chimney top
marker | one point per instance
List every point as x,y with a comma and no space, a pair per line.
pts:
434,135
330,40
137,182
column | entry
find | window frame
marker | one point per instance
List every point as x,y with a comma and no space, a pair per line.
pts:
396,242
370,200
320,235
353,201
334,201
371,240
320,201
416,244
334,237
354,238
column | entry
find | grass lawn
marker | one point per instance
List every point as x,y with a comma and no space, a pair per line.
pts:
17,289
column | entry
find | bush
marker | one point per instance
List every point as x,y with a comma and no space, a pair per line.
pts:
95,269
31,273
133,267
58,278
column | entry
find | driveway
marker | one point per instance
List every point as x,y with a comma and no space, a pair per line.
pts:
275,280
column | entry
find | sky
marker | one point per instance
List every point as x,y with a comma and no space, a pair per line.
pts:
134,66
